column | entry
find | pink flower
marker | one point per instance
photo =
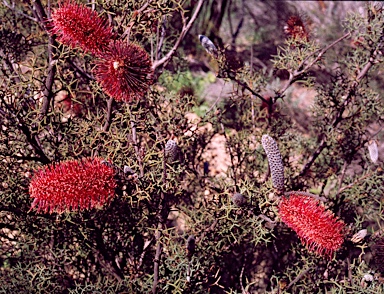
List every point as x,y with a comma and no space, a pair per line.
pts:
124,71
317,227
72,185
78,26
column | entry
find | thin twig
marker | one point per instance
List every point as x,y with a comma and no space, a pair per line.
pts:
12,7
137,12
349,270
160,41
47,90
161,212
80,70
108,119
164,61
210,228
217,100
302,193
240,25
295,280
241,277
341,179
32,139
107,123
231,155
250,90
356,182
136,145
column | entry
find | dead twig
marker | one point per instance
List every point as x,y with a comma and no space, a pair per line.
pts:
163,207
136,145
186,26
299,276
356,182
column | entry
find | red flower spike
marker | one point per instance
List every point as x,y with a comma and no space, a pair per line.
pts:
78,26
124,71
317,227
73,185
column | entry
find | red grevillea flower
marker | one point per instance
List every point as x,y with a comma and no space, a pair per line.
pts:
124,71
73,185
317,227
78,26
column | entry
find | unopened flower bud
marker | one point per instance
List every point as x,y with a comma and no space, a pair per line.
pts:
373,151
208,46
238,199
275,161
191,246
360,235
368,278
172,151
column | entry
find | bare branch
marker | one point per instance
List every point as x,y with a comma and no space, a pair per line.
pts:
140,10
12,7
47,90
164,61
108,119
295,280
136,145
161,212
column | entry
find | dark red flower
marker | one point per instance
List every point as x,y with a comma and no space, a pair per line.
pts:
317,227
124,71
78,26
73,185
296,28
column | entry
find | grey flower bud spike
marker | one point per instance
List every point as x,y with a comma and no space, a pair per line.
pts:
209,46
191,245
238,199
275,162
172,151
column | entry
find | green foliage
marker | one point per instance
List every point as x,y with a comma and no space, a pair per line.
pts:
137,244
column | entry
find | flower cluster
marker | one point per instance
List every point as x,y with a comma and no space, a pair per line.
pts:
73,185
123,70
317,227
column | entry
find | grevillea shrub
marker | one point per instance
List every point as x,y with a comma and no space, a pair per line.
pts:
150,147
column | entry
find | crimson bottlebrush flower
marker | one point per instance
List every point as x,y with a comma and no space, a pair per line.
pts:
78,26
316,226
124,71
73,185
